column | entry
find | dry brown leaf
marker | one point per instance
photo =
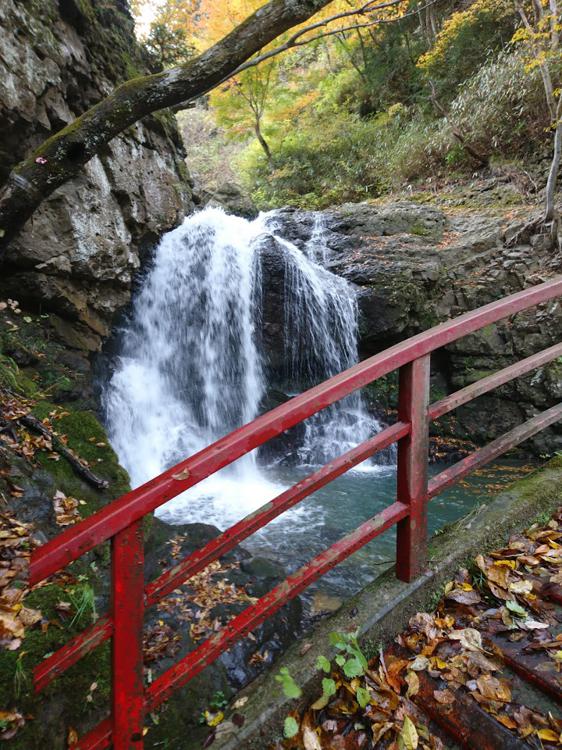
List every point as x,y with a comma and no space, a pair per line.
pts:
29,616
181,475
493,688
469,638
464,597
310,739
11,624
445,697
507,721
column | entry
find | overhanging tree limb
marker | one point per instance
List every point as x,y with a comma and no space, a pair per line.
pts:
62,156
297,40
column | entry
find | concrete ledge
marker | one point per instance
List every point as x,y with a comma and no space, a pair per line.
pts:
383,608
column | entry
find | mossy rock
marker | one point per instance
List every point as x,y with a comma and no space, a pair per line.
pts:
65,702
87,438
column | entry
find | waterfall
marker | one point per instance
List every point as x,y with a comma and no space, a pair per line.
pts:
190,367
320,338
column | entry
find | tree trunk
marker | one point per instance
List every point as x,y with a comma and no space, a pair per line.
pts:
550,214
61,157
263,143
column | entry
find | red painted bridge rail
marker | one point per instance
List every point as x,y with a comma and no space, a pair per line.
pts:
121,521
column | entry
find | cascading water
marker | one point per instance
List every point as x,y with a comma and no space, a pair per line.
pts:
190,370
194,364
320,336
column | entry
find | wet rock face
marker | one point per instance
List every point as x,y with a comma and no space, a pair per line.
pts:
79,252
232,198
415,266
273,271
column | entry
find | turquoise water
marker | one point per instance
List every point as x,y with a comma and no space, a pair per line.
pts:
340,507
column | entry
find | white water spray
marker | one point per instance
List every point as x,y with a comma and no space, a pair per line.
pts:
190,370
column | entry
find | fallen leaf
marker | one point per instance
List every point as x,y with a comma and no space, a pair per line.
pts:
445,697
413,682
507,721
213,719
469,638
419,664
464,597
548,735
409,734
493,688
180,476
521,587
310,739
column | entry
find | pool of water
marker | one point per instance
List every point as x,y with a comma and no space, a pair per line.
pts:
327,515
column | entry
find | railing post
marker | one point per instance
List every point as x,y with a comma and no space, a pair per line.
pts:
127,654
413,403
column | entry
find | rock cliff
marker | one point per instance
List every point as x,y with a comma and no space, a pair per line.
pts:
415,265
78,254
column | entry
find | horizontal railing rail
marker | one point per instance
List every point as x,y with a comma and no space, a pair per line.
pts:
120,521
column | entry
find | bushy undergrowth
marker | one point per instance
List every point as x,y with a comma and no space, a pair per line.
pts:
502,107
436,95
332,157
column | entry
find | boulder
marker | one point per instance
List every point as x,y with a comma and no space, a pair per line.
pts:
232,198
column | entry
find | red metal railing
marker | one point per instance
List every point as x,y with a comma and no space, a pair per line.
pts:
121,521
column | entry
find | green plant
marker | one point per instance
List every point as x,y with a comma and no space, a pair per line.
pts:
290,687
290,727
543,518
21,678
351,658
83,600
218,701
352,663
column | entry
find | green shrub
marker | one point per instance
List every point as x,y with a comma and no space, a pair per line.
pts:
502,107
341,160
464,42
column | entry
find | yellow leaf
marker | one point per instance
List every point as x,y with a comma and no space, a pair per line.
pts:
507,721
548,735
409,734
507,563
438,663
413,682
214,720
321,703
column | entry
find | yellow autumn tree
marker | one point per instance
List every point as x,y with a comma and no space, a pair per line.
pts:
241,103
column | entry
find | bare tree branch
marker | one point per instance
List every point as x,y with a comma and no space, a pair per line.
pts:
296,41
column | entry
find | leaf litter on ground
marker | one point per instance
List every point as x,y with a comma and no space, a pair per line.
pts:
453,645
